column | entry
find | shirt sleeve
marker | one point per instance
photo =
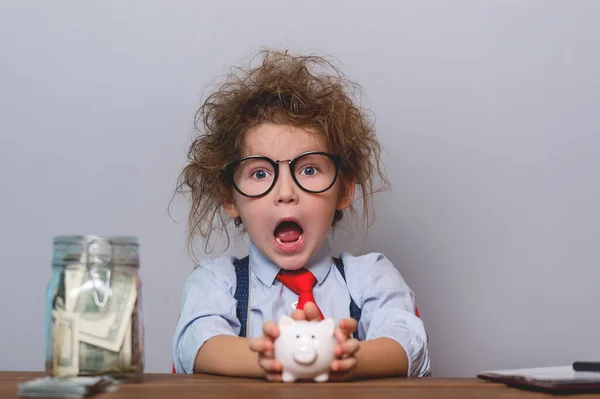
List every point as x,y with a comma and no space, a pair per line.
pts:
208,308
388,309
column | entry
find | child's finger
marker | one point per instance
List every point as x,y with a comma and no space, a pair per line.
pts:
269,365
298,315
350,347
312,311
343,364
260,344
340,335
348,325
270,330
345,329
273,377
269,353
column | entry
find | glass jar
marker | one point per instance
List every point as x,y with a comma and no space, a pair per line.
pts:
94,320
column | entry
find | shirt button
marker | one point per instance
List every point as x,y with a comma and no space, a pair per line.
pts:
294,305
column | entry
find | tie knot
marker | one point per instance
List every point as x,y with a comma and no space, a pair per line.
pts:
298,281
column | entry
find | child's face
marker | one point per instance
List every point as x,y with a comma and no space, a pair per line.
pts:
287,224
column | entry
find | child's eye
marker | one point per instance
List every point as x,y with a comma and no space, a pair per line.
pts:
298,336
313,336
309,171
260,174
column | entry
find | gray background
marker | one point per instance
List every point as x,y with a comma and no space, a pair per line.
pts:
488,111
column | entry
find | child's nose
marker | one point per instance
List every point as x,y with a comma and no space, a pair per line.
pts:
286,190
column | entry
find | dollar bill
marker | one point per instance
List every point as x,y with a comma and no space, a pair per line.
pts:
65,353
125,355
137,331
105,325
73,285
94,359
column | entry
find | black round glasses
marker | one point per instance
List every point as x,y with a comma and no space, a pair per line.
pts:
255,175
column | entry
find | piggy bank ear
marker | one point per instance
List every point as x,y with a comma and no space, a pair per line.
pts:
327,326
285,321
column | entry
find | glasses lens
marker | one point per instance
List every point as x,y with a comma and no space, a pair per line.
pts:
253,176
315,172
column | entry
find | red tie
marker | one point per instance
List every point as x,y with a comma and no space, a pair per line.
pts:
301,282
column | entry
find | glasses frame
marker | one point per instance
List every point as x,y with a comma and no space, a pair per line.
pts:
228,171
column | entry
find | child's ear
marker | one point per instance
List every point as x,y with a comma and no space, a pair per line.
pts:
346,195
230,208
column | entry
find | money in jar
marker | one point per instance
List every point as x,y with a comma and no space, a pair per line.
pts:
94,321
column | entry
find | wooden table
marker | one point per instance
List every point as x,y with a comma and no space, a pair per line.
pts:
171,386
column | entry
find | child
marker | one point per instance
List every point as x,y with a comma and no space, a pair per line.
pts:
282,148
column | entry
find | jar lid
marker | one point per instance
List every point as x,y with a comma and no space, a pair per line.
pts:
87,239
95,250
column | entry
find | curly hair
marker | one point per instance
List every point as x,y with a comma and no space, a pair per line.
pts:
305,91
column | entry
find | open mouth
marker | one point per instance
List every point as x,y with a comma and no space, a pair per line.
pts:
288,232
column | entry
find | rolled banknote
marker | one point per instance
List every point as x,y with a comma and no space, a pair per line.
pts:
65,360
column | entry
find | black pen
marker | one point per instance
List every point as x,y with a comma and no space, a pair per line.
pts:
586,366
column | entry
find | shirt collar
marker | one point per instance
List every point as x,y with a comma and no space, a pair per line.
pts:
266,271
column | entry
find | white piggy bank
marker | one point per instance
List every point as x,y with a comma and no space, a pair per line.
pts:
305,349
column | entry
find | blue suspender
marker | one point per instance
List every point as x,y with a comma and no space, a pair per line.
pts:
242,267
242,272
355,311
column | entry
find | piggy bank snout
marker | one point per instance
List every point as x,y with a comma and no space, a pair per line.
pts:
305,353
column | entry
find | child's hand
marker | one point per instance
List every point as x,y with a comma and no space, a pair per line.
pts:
347,347
266,356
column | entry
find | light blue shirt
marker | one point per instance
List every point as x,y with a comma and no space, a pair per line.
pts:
208,306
